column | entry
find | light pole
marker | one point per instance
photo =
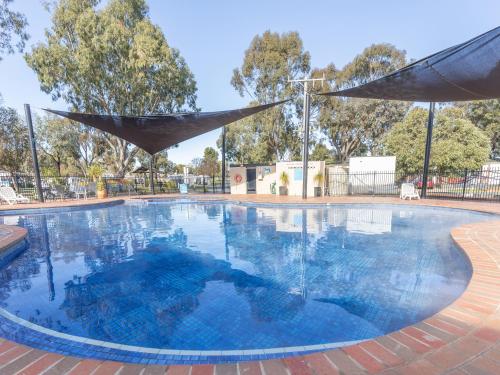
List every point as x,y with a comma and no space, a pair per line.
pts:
305,122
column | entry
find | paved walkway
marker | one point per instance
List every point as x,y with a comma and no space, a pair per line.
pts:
464,338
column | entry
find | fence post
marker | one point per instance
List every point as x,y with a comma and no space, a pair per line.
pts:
374,177
465,185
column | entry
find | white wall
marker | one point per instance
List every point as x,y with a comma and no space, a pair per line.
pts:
294,171
266,176
241,187
372,164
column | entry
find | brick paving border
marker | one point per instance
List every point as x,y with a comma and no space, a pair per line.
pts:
463,338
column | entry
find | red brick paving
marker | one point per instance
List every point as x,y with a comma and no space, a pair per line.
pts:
85,367
464,338
249,368
202,370
108,368
381,353
226,369
321,365
42,364
178,370
298,365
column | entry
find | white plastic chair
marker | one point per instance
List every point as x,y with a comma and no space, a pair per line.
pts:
11,197
408,191
78,187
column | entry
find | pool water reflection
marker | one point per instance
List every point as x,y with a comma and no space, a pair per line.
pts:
223,276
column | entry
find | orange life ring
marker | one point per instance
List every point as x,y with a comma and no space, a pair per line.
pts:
238,178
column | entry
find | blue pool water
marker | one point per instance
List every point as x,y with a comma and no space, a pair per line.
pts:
225,276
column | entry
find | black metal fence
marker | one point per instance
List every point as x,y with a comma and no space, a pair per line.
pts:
78,187
466,185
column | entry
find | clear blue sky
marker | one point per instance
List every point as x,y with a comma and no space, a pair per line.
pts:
213,35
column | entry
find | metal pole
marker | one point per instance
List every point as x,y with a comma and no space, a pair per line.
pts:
151,181
465,185
428,143
305,152
36,168
307,105
223,160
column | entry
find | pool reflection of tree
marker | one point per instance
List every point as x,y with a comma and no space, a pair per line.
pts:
170,276
334,262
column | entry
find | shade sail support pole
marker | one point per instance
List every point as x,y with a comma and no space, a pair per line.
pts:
223,169
428,144
305,152
151,180
34,155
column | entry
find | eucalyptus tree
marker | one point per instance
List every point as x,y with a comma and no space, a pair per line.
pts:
13,35
14,145
112,60
210,163
269,62
353,124
161,162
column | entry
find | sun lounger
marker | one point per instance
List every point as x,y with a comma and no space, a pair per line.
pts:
408,191
10,196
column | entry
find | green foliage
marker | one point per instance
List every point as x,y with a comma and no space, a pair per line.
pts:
351,124
321,152
195,166
57,138
268,63
179,168
485,114
12,25
210,163
101,185
112,60
243,144
406,141
374,62
161,162
14,143
95,172
170,185
457,144
319,178
284,179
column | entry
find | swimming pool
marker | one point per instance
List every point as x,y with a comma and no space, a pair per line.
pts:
183,281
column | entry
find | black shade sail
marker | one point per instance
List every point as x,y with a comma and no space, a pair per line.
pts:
157,132
467,71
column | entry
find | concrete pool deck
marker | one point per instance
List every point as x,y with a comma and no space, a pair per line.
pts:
464,338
